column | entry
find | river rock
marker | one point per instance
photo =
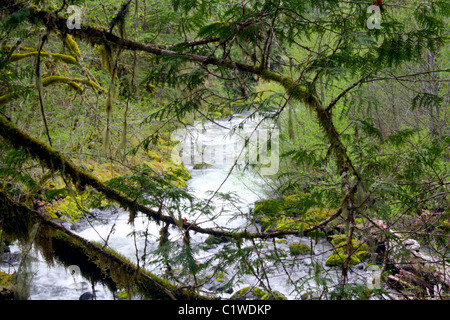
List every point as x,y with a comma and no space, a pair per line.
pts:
255,293
87,296
248,293
10,258
202,165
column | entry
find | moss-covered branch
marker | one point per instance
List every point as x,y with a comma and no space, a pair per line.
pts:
52,80
57,242
59,56
60,79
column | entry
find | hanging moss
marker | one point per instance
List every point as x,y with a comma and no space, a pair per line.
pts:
72,46
359,251
106,55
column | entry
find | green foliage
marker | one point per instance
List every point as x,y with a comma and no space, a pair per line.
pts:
386,124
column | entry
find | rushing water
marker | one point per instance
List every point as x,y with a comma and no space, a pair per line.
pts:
57,282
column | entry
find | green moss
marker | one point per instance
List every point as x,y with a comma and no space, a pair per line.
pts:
124,295
274,295
338,258
63,57
202,165
316,215
69,207
357,245
299,248
360,251
255,293
287,224
6,280
291,213
72,45
51,80
251,293
220,113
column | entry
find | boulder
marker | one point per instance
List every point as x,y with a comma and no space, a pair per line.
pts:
299,248
87,296
202,165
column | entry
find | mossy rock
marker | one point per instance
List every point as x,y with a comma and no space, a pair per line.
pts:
338,258
292,205
299,248
249,293
341,240
220,113
316,215
203,165
360,251
274,295
338,239
272,214
6,286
